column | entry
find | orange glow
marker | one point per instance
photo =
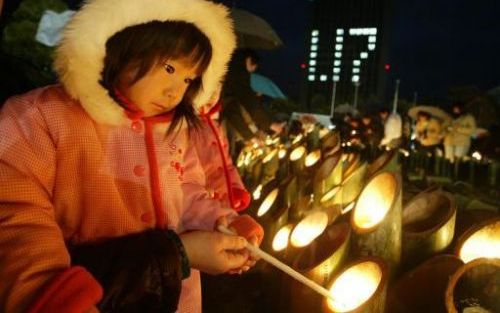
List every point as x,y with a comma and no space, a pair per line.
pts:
297,153
280,241
484,243
375,201
309,229
268,202
355,286
312,158
348,207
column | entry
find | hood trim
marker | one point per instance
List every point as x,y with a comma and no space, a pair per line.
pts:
79,58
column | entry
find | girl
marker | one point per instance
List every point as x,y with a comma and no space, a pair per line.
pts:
98,162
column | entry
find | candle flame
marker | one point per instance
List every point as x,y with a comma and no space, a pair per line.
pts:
484,243
309,229
375,201
280,241
268,202
476,155
297,153
312,158
355,286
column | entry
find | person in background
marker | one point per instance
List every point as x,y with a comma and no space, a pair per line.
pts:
428,133
103,205
458,135
242,113
393,129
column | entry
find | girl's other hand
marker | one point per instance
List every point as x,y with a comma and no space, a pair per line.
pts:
214,252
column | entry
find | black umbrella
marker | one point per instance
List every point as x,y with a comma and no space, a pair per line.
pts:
253,31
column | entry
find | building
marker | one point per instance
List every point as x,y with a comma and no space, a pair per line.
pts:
349,45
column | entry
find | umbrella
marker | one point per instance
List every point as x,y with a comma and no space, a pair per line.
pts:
432,110
253,31
262,84
346,108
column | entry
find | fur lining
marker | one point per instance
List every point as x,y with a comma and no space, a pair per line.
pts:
79,57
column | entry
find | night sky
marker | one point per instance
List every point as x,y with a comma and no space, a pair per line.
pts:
435,43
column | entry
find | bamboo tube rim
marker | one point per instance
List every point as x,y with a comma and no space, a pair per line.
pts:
360,201
381,161
441,220
297,153
305,225
270,156
343,232
449,294
327,166
268,202
281,239
471,232
382,284
312,158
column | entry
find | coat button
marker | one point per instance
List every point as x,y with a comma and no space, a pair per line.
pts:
139,170
136,126
147,217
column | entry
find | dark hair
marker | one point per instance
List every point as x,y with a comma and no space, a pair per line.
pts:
142,46
249,53
424,114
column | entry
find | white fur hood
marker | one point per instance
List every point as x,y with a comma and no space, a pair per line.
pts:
80,55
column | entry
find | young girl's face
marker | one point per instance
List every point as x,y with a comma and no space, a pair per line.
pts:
162,88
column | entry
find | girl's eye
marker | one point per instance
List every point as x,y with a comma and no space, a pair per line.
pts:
188,81
169,68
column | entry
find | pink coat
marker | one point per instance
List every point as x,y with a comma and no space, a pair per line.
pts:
67,179
222,178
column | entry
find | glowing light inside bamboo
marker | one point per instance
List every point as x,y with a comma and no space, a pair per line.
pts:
257,192
312,158
330,194
282,153
280,241
348,207
297,139
268,202
484,243
375,201
297,153
355,286
309,229
270,156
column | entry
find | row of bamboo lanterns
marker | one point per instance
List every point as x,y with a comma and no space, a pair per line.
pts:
326,208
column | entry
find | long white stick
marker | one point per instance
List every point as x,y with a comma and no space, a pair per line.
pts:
282,266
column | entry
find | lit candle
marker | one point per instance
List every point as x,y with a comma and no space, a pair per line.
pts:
482,243
355,286
309,228
268,202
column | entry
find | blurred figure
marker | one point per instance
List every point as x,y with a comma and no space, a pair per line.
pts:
371,135
428,133
458,137
393,129
242,113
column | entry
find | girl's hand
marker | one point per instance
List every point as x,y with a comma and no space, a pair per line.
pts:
252,259
214,252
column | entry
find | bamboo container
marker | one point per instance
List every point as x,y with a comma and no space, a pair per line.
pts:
387,161
328,175
297,160
480,241
319,261
330,143
353,183
474,287
270,166
422,289
360,288
376,220
428,226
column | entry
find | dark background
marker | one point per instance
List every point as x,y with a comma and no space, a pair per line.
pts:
436,44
